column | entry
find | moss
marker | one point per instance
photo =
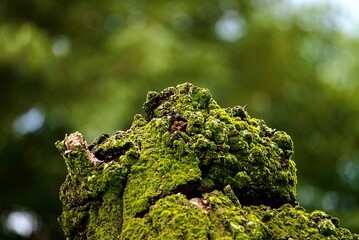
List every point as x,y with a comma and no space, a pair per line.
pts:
187,169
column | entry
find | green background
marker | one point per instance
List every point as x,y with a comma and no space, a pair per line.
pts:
87,66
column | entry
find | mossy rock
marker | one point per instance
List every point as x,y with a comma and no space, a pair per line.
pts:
188,169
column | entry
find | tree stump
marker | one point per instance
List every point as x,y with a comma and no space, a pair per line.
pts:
187,169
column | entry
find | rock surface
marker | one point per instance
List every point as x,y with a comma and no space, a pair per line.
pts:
188,169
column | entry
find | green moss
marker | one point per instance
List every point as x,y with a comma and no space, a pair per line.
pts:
187,169
172,217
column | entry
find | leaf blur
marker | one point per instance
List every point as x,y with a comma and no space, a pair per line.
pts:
87,66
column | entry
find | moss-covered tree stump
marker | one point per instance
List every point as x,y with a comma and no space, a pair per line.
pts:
188,169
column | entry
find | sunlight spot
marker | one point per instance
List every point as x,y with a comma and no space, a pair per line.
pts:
306,194
330,201
22,223
29,122
230,27
61,46
343,14
348,169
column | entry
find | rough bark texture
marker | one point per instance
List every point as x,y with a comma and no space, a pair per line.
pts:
188,169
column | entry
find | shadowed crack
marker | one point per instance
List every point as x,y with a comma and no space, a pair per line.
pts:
111,154
191,190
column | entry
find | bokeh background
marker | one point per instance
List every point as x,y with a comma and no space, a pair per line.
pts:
87,66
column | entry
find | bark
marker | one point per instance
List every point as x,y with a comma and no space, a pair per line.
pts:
187,169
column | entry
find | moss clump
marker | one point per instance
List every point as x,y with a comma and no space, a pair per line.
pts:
187,169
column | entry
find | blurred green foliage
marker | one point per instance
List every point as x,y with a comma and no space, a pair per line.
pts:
86,66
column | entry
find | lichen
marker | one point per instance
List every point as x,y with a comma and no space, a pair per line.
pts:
187,169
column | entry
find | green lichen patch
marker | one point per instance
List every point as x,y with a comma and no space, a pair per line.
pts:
187,169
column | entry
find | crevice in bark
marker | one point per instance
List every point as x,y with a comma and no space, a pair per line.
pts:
190,190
